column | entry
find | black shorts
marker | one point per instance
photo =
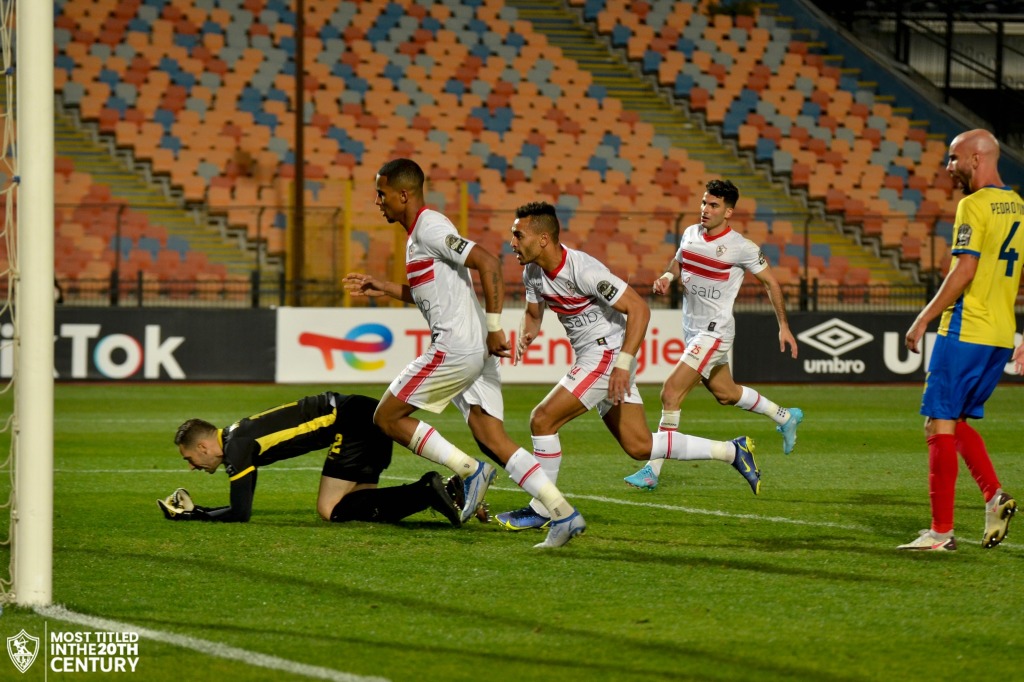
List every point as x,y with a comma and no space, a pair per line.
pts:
363,451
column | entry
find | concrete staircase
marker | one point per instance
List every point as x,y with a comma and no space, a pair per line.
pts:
565,29
93,155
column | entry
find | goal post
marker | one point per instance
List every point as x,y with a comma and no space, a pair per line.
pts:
33,313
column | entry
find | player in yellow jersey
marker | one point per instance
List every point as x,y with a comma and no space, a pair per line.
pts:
975,339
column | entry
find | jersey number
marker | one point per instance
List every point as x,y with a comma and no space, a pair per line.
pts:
1008,254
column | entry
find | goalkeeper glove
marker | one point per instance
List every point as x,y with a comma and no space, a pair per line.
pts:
177,506
182,499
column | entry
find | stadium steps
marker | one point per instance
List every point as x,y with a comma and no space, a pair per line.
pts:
95,158
565,30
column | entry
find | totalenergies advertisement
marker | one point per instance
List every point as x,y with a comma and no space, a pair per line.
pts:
372,345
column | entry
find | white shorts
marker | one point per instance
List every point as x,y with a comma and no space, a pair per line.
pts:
588,379
439,377
705,352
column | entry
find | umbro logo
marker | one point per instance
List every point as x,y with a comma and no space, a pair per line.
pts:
835,337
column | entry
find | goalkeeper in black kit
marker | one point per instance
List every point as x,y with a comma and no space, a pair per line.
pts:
358,453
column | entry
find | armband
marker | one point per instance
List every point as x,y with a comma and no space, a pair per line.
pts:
623,361
494,322
669,276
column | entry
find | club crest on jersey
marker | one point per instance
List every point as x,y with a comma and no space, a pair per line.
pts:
761,260
606,290
963,235
455,243
720,251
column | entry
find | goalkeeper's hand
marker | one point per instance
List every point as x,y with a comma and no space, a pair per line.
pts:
177,506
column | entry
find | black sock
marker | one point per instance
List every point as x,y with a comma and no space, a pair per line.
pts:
383,505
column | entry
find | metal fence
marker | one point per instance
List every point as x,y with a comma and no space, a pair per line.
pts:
274,291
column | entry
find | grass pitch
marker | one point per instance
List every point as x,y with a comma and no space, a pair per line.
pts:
697,580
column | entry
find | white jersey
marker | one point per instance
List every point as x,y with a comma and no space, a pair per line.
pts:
711,272
581,292
435,264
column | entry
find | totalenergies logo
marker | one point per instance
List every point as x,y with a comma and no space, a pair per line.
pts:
350,345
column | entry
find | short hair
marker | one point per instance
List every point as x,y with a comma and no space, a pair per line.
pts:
724,189
403,174
545,215
192,431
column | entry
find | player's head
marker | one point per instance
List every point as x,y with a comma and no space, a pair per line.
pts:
399,184
199,444
973,160
720,197
534,229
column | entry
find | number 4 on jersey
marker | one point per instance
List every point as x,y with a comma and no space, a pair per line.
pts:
1007,253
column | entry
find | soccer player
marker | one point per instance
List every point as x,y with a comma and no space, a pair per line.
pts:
461,363
348,486
605,320
711,261
975,339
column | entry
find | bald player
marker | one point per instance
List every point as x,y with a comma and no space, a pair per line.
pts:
975,305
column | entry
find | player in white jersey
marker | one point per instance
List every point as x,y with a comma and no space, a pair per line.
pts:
605,320
461,364
711,262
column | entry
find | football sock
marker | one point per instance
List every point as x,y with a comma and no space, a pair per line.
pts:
752,401
669,422
675,445
971,447
548,451
429,444
528,474
942,472
384,505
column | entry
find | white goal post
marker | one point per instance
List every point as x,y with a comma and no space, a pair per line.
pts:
33,313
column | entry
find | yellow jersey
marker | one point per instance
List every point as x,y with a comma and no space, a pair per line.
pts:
988,226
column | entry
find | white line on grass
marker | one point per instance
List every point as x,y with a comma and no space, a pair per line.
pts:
595,498
203,646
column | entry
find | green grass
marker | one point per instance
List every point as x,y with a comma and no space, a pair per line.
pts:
699,580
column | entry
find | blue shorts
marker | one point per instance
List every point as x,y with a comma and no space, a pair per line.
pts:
961,377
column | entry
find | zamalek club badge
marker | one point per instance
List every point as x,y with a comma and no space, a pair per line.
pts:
23,649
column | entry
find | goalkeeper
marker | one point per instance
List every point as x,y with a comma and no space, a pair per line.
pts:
358,453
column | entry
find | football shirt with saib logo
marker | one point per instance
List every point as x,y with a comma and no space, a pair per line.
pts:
435,264
581,292
711,272
988,225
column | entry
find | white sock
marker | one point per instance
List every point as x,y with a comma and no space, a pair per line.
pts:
528,474
752,401
548,451
669,422
429,444
675,445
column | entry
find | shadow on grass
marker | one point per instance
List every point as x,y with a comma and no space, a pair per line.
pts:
731,664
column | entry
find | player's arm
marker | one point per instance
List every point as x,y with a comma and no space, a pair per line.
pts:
181,508
1018,358
529,329
638,316
662,284
771,285
360,284
952,288
488,268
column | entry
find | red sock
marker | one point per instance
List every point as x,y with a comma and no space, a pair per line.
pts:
971,447
942,471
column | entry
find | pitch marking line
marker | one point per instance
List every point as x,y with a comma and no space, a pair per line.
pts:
57,612
594,498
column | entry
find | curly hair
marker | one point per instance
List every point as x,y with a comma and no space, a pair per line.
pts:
725,190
